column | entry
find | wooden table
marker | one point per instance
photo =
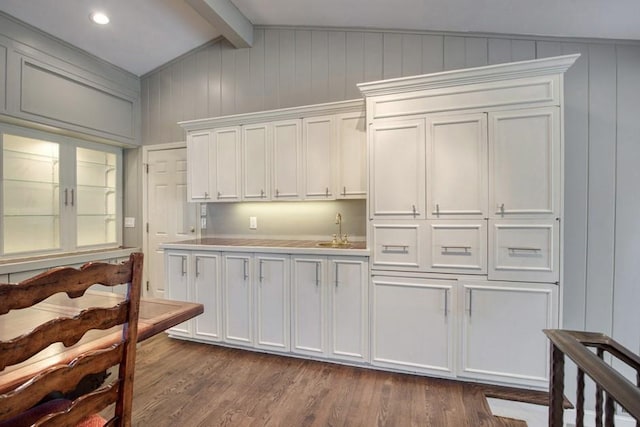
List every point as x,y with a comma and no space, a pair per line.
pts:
156,315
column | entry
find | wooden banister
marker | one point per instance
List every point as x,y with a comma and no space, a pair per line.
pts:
616,388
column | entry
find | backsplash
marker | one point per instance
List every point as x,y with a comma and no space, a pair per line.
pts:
287,220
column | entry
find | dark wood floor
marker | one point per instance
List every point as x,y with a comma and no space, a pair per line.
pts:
187,384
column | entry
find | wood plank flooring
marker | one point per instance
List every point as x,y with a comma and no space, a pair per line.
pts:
188,384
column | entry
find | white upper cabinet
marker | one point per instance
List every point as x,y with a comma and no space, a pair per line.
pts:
352,156
255,161
318,153
457,166
198,166
524,160
226,164
286,160
397,169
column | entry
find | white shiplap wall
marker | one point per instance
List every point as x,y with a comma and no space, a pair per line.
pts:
290,67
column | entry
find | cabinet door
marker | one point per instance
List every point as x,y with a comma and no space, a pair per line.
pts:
206,287
457,246
351,156
524,160
502,338
399,245
348,308
287,160
308,305
318,139
177,286
198,166
457,166
238,301
413,322
397,169
226,161
272,302
255,161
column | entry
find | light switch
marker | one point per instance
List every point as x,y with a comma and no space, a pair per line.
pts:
253,223
203,209
129,222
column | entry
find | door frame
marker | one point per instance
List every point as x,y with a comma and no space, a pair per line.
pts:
146,149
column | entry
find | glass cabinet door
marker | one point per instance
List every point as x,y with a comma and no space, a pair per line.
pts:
30,195
96,204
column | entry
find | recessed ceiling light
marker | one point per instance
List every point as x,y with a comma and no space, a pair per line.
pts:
99,18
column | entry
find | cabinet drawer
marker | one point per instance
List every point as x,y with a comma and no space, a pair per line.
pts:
525,250
398,246
458,247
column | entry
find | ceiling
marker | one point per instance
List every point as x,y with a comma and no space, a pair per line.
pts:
144,34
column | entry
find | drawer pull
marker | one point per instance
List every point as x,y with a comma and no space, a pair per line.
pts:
513,250
395,248
457,249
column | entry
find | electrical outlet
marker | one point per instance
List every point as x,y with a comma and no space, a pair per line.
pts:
203,209
129,222
253,223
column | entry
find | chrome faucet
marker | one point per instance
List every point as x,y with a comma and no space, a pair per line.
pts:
341,238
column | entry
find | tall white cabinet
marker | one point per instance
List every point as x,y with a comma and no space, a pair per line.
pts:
465,208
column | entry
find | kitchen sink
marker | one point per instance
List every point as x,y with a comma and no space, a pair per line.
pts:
337,245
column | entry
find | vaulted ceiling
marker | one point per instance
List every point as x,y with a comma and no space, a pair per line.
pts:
144,34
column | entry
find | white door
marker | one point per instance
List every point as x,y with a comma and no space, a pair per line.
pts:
308,305
255,161
352,156
318,139
286,162
226,158
397,174
457,166
502,338
237,297
524,163
413,324
206,289
170,217
272,302
349,314
177,272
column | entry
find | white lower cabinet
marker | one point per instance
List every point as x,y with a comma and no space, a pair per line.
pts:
271,302
329,307
237,298
501,331
194,276
413,324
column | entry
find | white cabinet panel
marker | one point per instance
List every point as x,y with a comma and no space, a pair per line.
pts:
318,139
177,286
413,324
198,166
226,162
286,181
349,318
238,299
526,250
352,156
397,169
458,246
206,291
255,161
272,302
502,336
399,245
457,166
524,160
308,298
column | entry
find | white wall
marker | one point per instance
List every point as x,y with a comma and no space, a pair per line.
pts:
290,67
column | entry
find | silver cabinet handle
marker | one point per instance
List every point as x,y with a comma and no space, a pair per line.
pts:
66,197
245,270
470,301
344,191
197,266
260,276
326,192
206,195
466,249
261,194
395,248
184,265
446,302
501,207
72,197
415,211
219,194
317,274
277,193
438,209
523,249
337,275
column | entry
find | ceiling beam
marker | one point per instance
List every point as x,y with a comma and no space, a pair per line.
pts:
227,19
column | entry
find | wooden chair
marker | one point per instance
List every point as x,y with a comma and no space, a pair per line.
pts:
23,402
